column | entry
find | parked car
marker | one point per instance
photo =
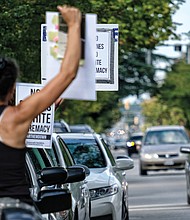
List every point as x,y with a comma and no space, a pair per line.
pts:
186,150
49,200
134,143
119,142
107,180
37,162
81,128
61,126
161,149
61,157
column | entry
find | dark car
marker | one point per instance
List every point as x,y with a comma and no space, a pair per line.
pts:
61,156
134,143
49,185
186,150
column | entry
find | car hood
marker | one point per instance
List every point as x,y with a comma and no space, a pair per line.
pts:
159,149
99,177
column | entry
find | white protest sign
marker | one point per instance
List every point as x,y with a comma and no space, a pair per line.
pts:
40,131
107,57
43,52
83,86
102,55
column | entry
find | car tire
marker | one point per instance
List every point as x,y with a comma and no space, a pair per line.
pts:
142,171
188,199
125,211
76,214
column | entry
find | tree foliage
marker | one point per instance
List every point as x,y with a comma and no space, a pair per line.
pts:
157,112
172,105
100,114
176,91
142,24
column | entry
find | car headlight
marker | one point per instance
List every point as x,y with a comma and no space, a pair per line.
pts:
149,156
103,192
130,143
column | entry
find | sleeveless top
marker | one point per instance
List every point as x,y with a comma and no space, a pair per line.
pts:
13,181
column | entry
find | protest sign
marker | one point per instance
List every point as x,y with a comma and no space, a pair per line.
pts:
106,57
83,86
41,128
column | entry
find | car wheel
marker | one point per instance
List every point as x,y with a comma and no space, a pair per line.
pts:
142,171
76,214
188,199
125,211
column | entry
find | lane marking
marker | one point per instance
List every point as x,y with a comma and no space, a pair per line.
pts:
159,207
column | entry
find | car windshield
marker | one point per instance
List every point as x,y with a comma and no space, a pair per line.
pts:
136,138
166,137
86,152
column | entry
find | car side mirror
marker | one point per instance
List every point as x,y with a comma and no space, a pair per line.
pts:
87,170
53,175
124,163
75,174
53,200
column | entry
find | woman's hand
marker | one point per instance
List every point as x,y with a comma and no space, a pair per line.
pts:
71,15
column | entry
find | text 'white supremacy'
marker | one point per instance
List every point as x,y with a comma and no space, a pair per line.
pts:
39,128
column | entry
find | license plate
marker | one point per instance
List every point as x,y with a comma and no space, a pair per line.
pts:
169,163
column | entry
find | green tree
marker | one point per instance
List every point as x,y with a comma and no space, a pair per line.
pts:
175,91
100,114
142,24
157,112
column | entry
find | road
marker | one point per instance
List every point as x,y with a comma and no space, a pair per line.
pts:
157,196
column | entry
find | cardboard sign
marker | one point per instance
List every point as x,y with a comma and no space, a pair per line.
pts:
41,128
107,57
83,86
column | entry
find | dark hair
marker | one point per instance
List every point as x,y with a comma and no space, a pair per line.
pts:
9,72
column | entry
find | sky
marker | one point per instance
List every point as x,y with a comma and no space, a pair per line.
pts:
182,16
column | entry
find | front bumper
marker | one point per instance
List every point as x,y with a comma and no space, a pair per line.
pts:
110,206
162,164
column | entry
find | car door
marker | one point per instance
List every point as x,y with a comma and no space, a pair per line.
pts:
36,160
80,192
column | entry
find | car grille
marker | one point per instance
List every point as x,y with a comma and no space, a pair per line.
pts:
168,155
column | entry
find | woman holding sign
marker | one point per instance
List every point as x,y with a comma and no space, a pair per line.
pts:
15,120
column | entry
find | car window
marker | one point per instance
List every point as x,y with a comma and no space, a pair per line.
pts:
86,152
110,155
136,138
38,158
52,154
166,137
69,161
59,128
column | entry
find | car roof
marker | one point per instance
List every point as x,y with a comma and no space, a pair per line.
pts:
79,128
77,135
137,134
61,126
165,127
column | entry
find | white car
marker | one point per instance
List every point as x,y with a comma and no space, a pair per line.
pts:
107,180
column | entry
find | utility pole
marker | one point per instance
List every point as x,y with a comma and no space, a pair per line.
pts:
188,54
149,57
